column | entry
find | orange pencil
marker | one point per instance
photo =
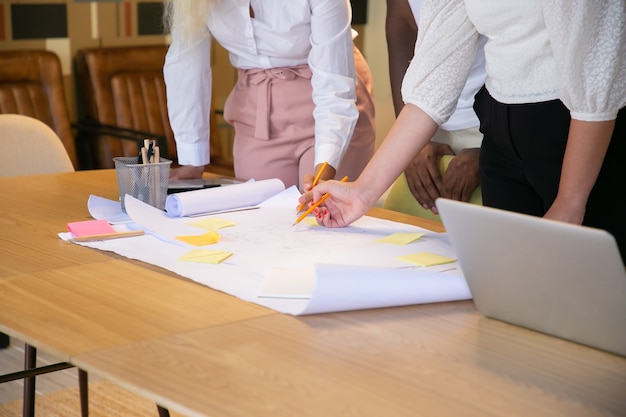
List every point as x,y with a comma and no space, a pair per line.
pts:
317,204
315,180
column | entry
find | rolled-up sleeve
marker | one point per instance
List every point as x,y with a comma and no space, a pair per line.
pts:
331,61
588,40
444,53
187,73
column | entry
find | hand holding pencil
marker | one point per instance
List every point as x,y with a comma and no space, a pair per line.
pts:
314,183
315,205
342,203
324,172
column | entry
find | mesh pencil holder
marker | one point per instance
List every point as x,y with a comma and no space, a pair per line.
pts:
145,182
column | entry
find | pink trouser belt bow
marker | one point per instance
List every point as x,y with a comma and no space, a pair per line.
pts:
263,79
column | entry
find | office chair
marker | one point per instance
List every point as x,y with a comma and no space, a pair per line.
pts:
27,147
122,90
31,83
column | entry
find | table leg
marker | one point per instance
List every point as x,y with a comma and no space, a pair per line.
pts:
30,362
4,341
163,412
83,388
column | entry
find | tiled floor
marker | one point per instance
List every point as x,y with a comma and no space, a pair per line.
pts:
12,360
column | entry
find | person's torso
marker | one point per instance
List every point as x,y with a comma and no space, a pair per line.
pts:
520,65
263,33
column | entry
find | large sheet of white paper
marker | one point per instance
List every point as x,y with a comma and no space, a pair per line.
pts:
301,269
105,209
346,287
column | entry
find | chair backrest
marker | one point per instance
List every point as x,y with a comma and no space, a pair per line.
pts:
31,84
28,146
124,87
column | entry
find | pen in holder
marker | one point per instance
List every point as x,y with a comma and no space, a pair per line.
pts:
146,182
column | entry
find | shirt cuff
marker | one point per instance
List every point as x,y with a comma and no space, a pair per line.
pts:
196,154
328,152
594,117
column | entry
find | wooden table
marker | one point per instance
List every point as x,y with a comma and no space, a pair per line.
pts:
203,353
68,299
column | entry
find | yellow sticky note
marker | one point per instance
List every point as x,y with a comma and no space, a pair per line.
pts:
201,240
401,238
205,256
426,259
213,223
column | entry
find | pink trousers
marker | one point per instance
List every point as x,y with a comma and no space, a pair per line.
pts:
272,112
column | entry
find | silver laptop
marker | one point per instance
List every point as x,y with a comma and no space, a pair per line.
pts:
565,280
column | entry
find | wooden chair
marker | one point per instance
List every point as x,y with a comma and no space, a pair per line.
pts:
122,88
28,146
31,84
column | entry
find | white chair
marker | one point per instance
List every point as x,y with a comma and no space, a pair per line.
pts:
28,146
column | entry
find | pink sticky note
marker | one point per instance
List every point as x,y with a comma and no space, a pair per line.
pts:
90,227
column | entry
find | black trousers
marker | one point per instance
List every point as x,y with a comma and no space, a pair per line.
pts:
521,158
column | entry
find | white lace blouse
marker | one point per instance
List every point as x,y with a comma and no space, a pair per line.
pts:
537,50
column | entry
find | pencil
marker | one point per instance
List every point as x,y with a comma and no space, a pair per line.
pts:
317,204
315,180
157,177
319,173
107,236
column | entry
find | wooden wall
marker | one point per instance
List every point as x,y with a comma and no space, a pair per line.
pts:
135,22
64,26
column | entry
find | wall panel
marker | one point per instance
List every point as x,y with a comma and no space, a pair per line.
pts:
64,26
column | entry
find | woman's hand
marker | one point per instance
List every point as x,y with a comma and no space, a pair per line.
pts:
326,174
462,176
423,176
344,205
587,144
567,211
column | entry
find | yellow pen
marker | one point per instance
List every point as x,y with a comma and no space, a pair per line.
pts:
315,180
317,204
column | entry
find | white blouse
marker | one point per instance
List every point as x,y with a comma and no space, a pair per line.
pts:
464,116
282,33
537,50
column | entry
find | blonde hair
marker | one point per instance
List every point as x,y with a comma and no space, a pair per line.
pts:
186,19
